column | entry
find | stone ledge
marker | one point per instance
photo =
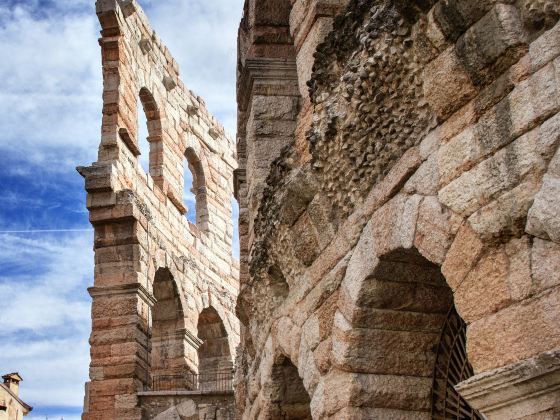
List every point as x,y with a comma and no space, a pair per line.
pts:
517,390
124,289
270,71
180,393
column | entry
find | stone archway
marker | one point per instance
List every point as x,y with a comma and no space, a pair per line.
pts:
167,357
396,340
288,397
214,357
199,190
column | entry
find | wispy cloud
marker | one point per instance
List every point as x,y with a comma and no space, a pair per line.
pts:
202,36
50,98
45,317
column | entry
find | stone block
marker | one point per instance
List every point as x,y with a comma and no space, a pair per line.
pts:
413,358
394,224
425,181
543,219
447,84
305,240
485,290
506,216
545,264
493,43
533,100
454,17
433,235
515,333
490,178
545,48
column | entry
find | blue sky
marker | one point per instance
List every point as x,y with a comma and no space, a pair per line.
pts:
50,109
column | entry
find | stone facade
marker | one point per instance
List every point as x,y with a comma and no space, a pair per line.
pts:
188,405
398,189
164,288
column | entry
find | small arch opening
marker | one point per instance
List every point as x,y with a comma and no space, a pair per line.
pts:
167,356
195,196
289,396
143,144
214,357
149,128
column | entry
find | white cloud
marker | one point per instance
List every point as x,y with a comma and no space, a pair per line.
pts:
50,97
45,318
202,36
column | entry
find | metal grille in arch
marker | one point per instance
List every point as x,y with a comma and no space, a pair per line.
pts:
452,367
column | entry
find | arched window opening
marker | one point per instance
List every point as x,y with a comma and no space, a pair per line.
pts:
149,128
143,144
167,357
407,302
214,358
195,196
289,396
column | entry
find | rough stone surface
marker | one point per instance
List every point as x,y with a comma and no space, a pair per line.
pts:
417,172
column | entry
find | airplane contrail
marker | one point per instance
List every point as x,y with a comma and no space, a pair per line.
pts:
46,230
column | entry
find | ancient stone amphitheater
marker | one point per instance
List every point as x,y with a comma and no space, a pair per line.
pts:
397,168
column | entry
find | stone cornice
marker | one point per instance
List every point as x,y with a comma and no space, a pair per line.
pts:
268,71
193,340
181,334
516,390
124,289
315,11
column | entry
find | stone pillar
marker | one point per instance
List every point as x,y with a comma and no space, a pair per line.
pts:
529,389
271,110
119,341
178,350
122,299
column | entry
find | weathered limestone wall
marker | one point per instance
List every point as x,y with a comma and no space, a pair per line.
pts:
190,406
155,272
418,172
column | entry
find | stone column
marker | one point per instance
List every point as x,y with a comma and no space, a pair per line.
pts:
122,299
529,389
272,107
119,351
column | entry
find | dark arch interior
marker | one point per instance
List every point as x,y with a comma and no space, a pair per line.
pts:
289,396
214,354
167,350
405,305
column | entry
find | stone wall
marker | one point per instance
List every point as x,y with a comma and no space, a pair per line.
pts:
155,272
187,406
412,171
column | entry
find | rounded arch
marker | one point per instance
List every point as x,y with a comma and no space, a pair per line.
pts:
149,132
214,353
404,304
286,392
199,189
151,110
167,355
